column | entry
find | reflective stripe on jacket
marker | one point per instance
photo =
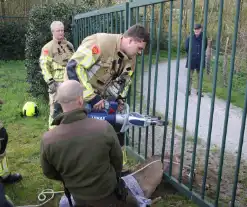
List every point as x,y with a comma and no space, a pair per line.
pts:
54,58
97,62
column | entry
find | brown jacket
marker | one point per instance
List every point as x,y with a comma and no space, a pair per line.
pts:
85,153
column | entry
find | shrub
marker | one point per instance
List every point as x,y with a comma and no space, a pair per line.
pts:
12,39
38,34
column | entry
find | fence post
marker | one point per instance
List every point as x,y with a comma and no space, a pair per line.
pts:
127,22
127,16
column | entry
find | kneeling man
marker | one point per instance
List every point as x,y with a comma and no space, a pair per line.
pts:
84,153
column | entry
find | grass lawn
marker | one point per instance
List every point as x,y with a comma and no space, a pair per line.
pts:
237,97
238,83
24,135
24,140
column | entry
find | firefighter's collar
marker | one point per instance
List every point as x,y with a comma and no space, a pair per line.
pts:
64,41
120,53
69,117
119,38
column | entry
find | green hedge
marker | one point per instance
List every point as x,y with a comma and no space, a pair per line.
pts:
12,39
38,34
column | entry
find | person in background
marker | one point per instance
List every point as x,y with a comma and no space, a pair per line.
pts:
196,49
6,177
53,60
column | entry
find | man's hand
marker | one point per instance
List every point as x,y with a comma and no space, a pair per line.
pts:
100,105
52,86
120,104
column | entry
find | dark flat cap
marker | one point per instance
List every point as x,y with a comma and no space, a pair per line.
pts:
197,26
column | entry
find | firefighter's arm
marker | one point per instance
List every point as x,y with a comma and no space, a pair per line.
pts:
124,93
45,62
71,46
48,170
83,59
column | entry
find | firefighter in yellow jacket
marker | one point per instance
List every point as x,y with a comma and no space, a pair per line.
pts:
5,175
53,60
104,64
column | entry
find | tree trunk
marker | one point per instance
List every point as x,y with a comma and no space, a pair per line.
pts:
241,12
225,63
3,8
185,18
109,3
25,8
208,56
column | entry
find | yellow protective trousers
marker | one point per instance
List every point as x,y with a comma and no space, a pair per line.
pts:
4,170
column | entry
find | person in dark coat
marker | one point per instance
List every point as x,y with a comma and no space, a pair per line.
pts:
197,40
84,153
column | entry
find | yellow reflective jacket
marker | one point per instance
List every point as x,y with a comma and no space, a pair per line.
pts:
54,58
97,62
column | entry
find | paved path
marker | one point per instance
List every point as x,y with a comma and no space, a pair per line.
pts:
235,115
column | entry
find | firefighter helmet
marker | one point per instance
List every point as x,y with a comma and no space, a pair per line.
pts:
30,109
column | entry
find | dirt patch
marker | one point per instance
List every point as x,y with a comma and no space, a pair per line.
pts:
228,173
164,194
228,170
227,179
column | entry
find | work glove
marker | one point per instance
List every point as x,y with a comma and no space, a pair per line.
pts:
52,85
96,102
120,104
57,110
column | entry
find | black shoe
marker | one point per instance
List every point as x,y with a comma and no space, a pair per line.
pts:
12,178
201,94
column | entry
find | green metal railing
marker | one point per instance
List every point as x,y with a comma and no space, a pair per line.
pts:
143,92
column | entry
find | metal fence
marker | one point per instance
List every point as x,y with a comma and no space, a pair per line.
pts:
4,19
158,89
240,75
